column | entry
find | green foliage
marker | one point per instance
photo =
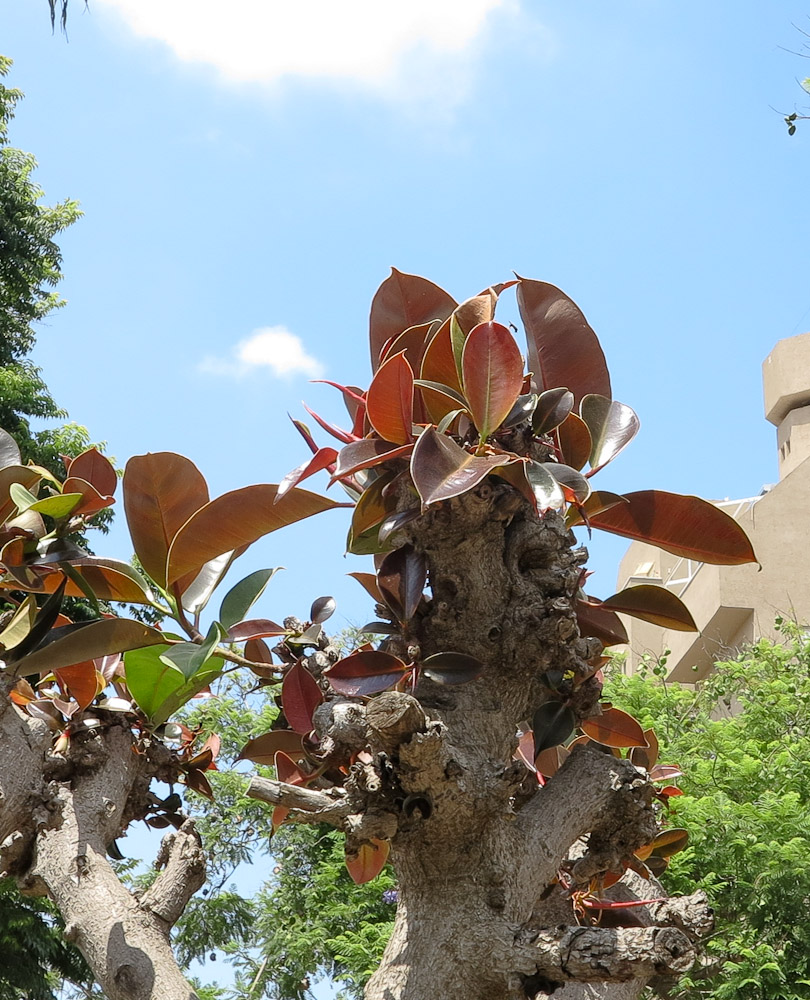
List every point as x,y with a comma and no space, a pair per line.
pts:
747,792
31,942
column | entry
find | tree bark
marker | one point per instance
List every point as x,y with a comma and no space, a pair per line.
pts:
59,814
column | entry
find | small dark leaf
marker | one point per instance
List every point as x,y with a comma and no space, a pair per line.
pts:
366,672
396,521
322,608
380,628
263,749
522,410
553,406
451,668
401,578
552,724
602,624
300,696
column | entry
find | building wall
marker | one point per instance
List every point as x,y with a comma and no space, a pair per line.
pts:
733,605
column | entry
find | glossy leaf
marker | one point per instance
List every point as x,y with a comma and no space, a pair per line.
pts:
653,604
391,524
401,579
575,486
612,426
368,581
552,724
92,501
367,861
575,441
683,525
57,506
597,502
403,301
198,590
553,406
665,772
669,842
161,492
321,460
300,696
258,652
352,396
492,369
237,519
241,598
21,622
82,682
95,469
563,349
614,728
365,454
263,749
160,690
255,628
389,401
322,609
191,657
94,639
42,627
19,474
411,343
451,668
441,469
547,491
439,367
602,624
366,672
373,506
440,400
9,452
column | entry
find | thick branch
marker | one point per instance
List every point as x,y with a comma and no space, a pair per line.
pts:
591,791
308,805
183,861
598,954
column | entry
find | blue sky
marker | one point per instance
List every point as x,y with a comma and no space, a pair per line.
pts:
249,171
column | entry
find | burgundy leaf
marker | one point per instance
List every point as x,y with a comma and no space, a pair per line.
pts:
389,400
366,672
403,301
324,458
492,367
653,604
401,578
300,696
563,349
441,469
604,625
365,454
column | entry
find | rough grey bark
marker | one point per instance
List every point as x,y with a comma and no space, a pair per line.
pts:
477,846
59,813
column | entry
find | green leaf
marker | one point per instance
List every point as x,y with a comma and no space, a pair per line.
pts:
92,640
22,497
160,690
57,506
21,623
189,657
241,598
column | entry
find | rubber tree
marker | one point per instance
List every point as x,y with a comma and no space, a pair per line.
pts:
465,742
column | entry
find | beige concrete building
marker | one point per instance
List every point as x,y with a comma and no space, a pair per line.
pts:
733,605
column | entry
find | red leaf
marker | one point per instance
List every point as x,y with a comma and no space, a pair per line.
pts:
336,432
439,366
670,791
653,604
236,519
300,696
92,501
254,628
412,343
352,396
614,728
81,681
606,626
575,441
597,502
324,458
665,772
263,749
365,454
197,780
368,861
368,581
401,579
95,469
366,672
389,401
683,525
493,375
563,349
161,492
441,469
403,301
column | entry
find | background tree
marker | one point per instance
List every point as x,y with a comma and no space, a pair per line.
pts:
746,795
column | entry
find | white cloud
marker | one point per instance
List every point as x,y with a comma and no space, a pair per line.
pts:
272,347
367,41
